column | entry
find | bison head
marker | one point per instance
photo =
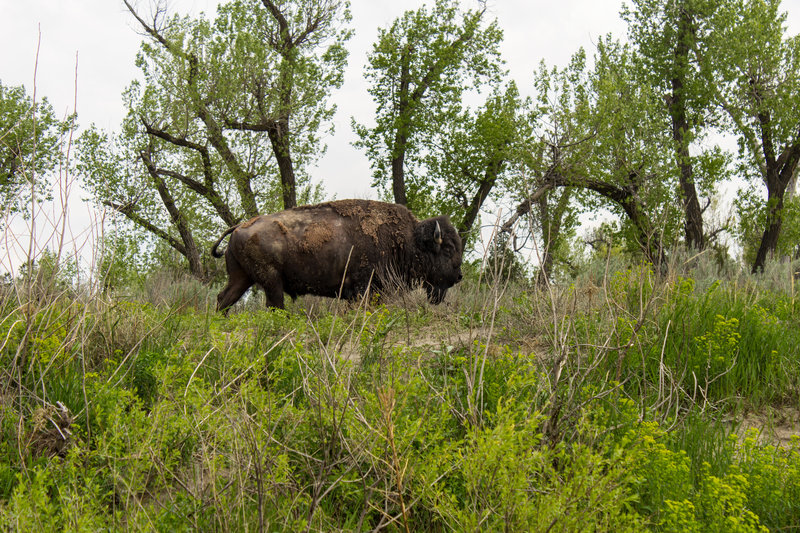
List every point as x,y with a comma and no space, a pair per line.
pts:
441,248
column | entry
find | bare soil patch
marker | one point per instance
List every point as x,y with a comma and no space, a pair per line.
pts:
775,425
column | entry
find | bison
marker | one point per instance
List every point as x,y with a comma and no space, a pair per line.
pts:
340,249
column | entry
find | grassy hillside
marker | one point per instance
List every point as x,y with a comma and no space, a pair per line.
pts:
619,402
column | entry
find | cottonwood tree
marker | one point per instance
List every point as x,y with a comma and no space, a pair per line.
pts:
473,155
629,162
669,38
30,148
419,69
559,139
603,137
225,121
755,68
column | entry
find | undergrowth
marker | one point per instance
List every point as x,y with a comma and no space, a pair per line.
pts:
596,406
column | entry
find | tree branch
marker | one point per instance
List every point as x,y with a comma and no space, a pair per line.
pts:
525,207
208,175
266,125
128,211
151,30
240,176
788,161
191,252
283,25
177,141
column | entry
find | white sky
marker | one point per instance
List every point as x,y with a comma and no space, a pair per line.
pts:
98,40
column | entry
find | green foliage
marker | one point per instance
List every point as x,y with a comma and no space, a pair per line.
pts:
716,350
344,419
723,504
633,286
49,275
655,28
773,475
120,262
31,139
670,39
714,344
731,343
208,138
601,134
419,70
471,156
506,461
662,474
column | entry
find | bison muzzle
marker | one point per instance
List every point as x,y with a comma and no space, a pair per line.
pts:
340,249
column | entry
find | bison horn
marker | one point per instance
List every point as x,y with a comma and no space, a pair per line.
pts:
437,233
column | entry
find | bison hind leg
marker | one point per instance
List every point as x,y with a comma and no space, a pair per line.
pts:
232,292
272,283
238,283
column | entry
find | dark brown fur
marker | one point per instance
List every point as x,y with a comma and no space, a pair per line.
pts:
339,248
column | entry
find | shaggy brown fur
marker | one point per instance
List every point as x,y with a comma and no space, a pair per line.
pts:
340,248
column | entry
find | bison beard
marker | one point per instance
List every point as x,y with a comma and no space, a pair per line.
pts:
340,249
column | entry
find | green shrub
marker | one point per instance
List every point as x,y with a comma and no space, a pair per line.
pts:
548,410
713,346
773,475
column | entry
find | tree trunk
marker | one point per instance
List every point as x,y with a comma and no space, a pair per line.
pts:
546,268
776,190
769,239
779,173
485,187
401,133
551,221
278,136
649,238
279,133
190,251
398,177
693,219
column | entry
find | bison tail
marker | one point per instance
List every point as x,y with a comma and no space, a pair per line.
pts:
214,251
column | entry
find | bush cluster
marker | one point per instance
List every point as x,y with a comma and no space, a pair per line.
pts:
523,410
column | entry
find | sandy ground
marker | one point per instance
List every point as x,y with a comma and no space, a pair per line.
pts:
775,425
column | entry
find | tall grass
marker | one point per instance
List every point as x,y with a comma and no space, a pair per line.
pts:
604,404
153,414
